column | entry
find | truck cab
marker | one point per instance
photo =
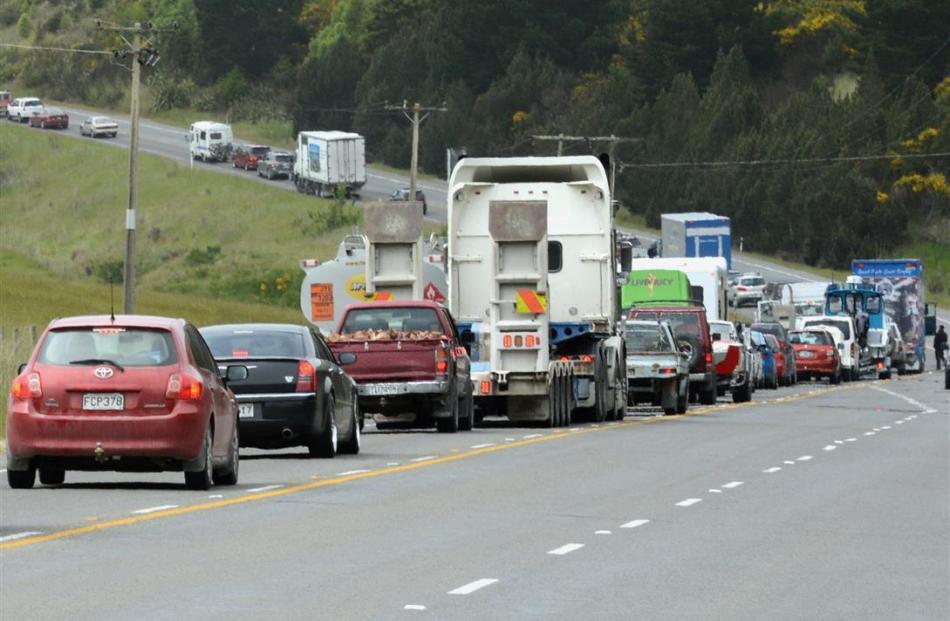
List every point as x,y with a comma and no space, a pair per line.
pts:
865,305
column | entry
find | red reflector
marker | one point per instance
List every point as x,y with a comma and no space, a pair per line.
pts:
519,341
667,371
880,364
486,387
565,359
507,341
587,358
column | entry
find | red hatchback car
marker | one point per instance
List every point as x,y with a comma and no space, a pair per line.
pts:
816,355
132,394
54,118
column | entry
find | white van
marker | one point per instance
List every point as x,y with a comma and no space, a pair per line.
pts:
708,273
209,141
847,345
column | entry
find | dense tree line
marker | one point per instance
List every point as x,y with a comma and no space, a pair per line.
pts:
755,110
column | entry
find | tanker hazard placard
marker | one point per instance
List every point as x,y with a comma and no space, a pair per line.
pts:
321,301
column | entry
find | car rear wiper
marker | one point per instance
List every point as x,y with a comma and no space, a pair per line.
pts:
99,361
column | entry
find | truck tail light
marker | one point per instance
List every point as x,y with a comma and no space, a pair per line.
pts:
708,357
587,358
183,387
668,371
442,361
486,387
506,341
27,387
306,377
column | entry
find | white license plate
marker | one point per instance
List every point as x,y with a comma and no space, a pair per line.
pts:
245,410
381,389
103,401
805,354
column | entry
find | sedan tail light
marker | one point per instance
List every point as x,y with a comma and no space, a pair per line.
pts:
306,377
183,387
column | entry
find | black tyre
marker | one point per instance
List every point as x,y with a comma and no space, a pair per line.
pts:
554,406
203,479
708,396
835,378
682,400
450,423
52,476
467,421
228,475
21,479
325,444
351,446
742,394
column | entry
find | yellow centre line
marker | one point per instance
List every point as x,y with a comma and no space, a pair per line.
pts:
340,480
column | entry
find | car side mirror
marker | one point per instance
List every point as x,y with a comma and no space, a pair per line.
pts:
346,358
235,373
20,369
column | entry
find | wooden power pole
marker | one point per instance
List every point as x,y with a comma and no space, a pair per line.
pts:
416,120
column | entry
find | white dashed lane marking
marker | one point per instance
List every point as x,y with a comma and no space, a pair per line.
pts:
566,549
153,509
16,536
805,458
771,470
602,532
689,502
634,523
732,484
481,446
349,472
265,488
471,587
413,607
830,447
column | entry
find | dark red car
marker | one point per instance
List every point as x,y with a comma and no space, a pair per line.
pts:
132,394
247,156
52,118
816,355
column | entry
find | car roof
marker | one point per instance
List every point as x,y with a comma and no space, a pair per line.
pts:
260,327
125,321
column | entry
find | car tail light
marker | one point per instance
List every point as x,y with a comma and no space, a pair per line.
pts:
442,361
668,371
27,387
741,289
183,387
306,377
708,357
587,358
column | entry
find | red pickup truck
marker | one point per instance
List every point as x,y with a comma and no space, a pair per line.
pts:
410,365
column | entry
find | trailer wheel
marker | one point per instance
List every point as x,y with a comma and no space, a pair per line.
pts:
568,409
554,397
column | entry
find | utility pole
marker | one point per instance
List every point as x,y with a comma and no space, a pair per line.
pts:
416,120
611,140
141,53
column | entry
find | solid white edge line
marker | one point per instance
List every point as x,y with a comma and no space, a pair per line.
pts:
634,523
153,509
471,587
567,548
16,536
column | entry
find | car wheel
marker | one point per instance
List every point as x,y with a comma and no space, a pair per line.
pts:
113,134
203,479
52,476
229,474
708,396
450,423
352,445
468,410
835,377
21,479
682,400
325,444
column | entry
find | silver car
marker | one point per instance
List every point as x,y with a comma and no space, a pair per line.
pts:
747,289
99,126
275,164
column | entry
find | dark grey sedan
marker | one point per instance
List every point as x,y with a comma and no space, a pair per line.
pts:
295,393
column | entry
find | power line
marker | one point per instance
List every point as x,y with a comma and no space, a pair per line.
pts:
765,162
416,120
39,48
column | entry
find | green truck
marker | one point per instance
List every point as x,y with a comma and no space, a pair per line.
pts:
645,287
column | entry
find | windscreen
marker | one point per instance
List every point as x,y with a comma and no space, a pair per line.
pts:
394,319
841,324
250,343
127,347
640,338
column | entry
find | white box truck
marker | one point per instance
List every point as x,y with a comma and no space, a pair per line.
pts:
696,234
327,159
531,271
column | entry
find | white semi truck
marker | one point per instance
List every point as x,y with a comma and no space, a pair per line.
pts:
328,159
531,272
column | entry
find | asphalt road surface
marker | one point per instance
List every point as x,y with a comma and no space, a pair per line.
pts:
810,502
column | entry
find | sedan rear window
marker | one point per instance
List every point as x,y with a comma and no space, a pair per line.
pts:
127,347
251,343
259,150
682,323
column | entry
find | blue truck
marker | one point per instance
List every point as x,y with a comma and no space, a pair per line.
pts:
901,283
696,234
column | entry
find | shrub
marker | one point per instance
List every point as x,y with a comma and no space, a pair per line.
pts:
197,256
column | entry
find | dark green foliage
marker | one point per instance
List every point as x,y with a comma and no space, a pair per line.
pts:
207,256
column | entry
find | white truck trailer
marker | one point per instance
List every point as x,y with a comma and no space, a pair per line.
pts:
531,271
707,275
389,261
327,159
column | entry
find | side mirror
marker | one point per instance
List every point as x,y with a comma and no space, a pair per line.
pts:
346,358
20,369
235,373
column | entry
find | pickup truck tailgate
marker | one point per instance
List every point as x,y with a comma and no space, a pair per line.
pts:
390,361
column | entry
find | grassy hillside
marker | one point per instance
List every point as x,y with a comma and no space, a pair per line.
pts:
199,232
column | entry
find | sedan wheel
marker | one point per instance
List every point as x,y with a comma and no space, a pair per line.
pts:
325,444
21,479
352,445
229,474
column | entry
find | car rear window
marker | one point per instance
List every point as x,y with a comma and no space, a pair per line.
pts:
682,323
284,158
810,338
254,343
216,135
774,329
395,319
646,338
128,347
32,102
841,324
752,282
259,150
